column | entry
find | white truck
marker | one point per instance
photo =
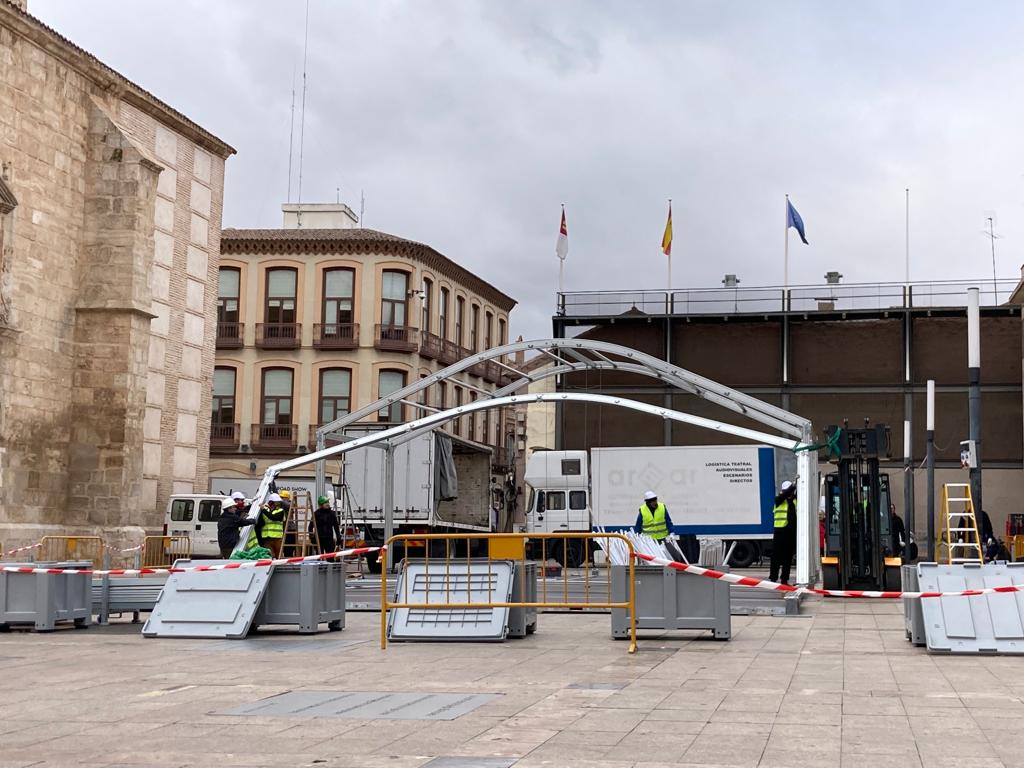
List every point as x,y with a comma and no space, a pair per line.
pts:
430,494
726,491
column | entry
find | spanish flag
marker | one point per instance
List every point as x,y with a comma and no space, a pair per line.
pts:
666,239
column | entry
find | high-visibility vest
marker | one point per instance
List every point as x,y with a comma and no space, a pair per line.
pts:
252,541
273,523
654,523
782,513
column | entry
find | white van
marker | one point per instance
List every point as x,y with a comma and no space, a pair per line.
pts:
195,516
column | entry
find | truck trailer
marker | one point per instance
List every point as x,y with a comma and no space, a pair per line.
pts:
726,491
442,484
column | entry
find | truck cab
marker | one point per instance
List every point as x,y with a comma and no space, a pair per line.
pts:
559,499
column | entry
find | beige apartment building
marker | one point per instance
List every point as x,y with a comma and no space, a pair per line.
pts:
320,318
110,216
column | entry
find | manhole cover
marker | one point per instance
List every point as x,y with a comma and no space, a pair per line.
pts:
365,705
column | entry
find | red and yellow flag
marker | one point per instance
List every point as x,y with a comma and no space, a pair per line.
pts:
666,239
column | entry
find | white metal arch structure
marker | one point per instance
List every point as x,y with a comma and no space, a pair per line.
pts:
805,458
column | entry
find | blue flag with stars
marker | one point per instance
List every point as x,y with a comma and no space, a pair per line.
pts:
793,220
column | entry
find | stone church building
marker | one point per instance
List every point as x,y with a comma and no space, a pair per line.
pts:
110,219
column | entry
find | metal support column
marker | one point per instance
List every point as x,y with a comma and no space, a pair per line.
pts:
931,471
321,468
908,487
974,393
667,424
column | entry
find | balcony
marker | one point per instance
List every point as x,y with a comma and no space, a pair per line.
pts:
431,346
449,353
395,338
276,437
493,372
230,335
278,335
223,437
336,335
479,369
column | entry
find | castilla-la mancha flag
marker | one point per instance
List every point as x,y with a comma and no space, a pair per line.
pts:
562,244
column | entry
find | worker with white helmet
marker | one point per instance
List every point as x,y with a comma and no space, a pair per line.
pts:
784,536
231,521
653,518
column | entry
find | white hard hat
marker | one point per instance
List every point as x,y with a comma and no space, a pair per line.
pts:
786,485
238,496
273,497
227,504
650,495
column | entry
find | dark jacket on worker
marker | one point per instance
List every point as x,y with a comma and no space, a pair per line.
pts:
328,533
790,499
229,524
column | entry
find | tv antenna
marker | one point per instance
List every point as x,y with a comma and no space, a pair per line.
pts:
302,117
992,236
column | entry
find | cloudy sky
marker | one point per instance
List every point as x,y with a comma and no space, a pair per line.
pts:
467,123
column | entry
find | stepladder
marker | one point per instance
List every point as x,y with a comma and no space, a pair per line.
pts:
959,540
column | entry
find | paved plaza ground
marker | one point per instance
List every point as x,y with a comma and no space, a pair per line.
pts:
838,685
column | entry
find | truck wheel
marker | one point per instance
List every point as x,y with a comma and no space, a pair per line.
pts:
568,554
743,556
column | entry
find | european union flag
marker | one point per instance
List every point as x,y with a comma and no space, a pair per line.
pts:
793,220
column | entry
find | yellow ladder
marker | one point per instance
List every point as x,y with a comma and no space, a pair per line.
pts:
960,527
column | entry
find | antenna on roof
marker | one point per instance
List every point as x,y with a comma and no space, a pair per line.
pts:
302,118
337,195
362,207
291,138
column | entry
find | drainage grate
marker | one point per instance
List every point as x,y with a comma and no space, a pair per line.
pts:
471,762
365,705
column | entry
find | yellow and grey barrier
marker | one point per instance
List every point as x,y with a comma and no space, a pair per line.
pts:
459,548
54,549
162,551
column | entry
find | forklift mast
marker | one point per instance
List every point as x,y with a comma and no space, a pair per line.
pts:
857,497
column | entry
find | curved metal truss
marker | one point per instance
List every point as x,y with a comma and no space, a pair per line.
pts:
806,466
579,355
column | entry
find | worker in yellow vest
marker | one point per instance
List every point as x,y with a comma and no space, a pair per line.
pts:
784,536
268,531
653,518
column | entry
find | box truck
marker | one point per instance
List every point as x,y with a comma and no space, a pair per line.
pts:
726,491
442,484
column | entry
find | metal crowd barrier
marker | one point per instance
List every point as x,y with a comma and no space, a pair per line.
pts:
54,549
443,550
162,551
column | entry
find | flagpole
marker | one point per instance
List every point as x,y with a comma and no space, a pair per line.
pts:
785,259
907,239
670,254
561,272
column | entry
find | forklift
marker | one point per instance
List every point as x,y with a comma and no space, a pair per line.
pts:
858,534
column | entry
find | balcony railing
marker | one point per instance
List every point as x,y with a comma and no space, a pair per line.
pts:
278,335
230,335
223,437
479,369
336,335
431,345
493,372
396,338
450,353
276,436
829,297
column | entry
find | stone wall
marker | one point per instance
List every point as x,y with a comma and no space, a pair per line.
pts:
108,282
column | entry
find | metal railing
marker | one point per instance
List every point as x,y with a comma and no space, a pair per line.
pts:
431,345
54,549
162,551
277,435
224,435
450,353
839,297
336,335
278,335
441,550
230,335
398,338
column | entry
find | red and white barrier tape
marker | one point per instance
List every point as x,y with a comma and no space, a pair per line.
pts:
233,565
23,549
750,581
